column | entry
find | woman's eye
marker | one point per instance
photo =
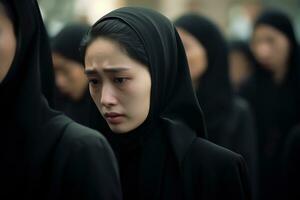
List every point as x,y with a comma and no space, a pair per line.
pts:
120,80
93,81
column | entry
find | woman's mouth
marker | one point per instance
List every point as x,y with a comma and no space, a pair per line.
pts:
113,118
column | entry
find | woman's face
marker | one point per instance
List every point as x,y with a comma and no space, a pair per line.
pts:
119,85
240,68
7,43
69,77
271,48
196,54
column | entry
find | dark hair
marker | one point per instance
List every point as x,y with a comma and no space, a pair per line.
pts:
120,32
7,9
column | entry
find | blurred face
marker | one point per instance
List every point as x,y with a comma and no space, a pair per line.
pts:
196,54
271,48
7,43
119,85
240,68
69,77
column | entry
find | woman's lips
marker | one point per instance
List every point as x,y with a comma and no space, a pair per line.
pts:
113,118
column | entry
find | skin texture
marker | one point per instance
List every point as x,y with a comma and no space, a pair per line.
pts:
118,84
271,48
7,43
69,77
196,55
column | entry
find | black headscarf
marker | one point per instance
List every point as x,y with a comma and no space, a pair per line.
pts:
67,41
171,82
244,48
215,93
174,110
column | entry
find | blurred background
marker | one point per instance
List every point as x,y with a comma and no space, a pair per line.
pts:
235,17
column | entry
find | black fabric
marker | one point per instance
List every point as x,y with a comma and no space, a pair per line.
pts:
67,41
244,48
276,108
44,154
174,126
79,111
229,120
279,20
291,164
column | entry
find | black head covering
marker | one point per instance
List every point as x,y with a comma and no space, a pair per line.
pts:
172,95
9,11
279,20
244,48
47,74
23,108
174,110
67,41
214,91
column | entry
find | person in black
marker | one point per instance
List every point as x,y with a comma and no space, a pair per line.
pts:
140,82
228,118
43,154
71,92
273,93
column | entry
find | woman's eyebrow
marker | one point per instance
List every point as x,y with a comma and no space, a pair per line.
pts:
115,69
90,72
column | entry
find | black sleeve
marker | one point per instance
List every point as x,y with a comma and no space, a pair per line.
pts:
86,168
291,164
221,173
246,143
235,181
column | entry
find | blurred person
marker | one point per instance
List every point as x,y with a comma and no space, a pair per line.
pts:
72,95
241,62
139,79
229,120
43,154
273,93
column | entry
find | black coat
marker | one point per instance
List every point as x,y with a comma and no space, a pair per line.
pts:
168,157
291,165
43,154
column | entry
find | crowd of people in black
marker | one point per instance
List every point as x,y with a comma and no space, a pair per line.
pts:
140,107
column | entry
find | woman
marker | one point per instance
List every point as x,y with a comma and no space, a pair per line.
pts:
139,80
273,93
43,154
72,96
241,65
229,121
